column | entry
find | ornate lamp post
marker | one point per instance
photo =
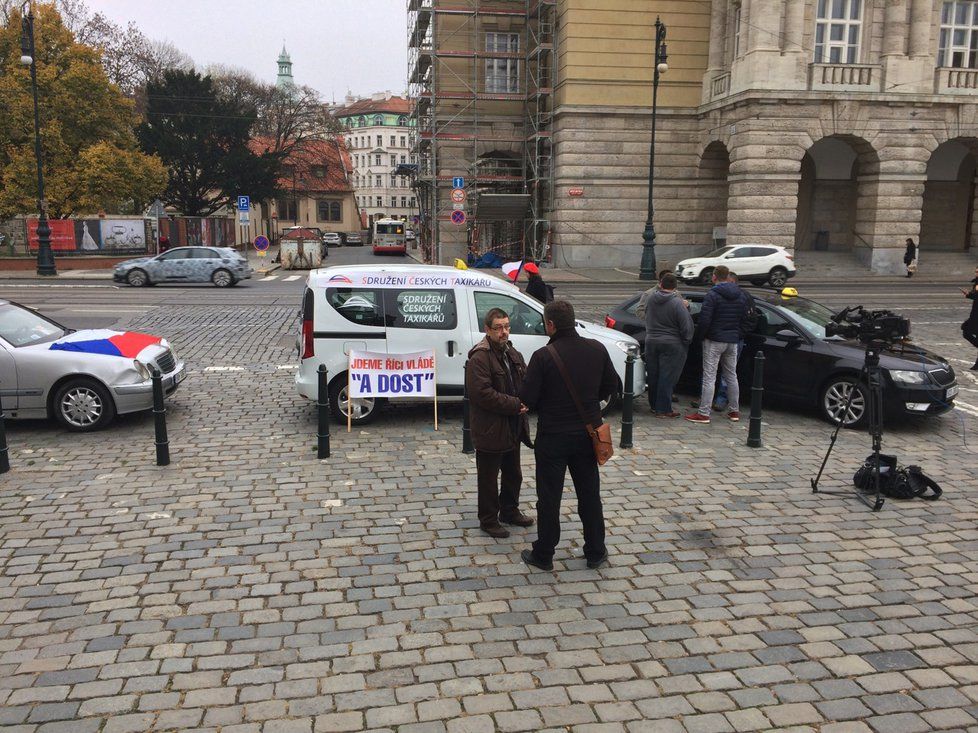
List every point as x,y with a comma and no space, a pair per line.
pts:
45,258
648,269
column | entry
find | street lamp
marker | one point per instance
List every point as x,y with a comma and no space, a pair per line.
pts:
648,269
45,258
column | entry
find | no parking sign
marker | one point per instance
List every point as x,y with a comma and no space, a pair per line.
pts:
458,217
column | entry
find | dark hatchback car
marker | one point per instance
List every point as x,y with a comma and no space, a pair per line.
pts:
802,365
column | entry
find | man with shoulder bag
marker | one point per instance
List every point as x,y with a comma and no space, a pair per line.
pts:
564,384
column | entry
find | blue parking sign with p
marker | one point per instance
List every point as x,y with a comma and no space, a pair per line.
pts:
244,203
458,182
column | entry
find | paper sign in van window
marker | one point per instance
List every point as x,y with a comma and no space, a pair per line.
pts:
421,309
359,305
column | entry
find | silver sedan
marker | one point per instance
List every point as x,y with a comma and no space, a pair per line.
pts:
84,378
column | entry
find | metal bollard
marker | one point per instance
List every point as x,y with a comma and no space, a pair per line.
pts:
466,431
159,414
322,408
4,456
756,398
627,399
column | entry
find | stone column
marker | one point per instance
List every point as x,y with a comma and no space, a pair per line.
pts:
794,30
763,188
718,26
921,12
895,28
765,25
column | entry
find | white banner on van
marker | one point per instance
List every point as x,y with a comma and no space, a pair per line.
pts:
374,374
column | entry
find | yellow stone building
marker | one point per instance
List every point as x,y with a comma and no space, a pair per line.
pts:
837,125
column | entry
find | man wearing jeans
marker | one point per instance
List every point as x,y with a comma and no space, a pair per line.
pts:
722,321
668,333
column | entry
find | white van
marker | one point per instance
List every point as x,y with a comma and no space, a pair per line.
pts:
367,308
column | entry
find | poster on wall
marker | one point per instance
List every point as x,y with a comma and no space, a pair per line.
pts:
88,235
62,235
120,236
193,231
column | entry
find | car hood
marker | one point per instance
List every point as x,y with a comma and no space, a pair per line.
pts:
133,263
692,262
908,356
100,342
602,333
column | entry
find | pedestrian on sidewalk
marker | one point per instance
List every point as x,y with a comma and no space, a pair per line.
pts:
720,401
536,287
643,301
722,320
493,377
910,257
969,329
668,333
562,441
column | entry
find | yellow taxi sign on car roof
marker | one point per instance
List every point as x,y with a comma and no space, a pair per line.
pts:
460,264
789,293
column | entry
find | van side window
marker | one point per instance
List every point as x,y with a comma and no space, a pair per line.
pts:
427,309
524,320
362,306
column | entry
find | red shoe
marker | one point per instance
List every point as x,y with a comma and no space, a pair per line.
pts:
697,417
734,416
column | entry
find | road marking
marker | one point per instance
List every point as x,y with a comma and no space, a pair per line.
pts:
287,366
12,286
142,309
970,409
290,278
269,277
224,369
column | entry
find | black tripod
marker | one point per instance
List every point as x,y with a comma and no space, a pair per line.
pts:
873,378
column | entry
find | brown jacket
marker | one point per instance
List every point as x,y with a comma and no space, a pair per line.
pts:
494,408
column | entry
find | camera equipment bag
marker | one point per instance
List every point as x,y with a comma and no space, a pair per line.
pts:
600,435
897,482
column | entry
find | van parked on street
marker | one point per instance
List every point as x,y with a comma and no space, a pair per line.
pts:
369,308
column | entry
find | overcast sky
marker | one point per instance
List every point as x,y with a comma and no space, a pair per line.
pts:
335,45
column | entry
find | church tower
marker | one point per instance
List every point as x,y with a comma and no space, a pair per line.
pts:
284,70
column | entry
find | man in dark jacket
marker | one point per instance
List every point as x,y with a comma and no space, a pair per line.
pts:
723,321
497,418
668,333
562,440
969,329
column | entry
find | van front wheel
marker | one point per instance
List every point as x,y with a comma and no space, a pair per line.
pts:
364,409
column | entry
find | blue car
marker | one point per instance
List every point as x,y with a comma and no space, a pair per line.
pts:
222,266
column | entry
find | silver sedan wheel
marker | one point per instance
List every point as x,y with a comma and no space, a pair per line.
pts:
834,403
222,278
362,407
137,278
81,407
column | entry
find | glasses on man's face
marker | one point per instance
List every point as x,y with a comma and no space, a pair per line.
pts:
499,327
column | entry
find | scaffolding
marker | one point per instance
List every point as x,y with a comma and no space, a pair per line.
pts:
480,76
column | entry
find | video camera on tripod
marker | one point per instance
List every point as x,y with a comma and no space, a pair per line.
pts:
856,322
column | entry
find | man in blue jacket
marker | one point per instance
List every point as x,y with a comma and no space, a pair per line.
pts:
722,321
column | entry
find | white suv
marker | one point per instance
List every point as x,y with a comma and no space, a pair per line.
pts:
758,263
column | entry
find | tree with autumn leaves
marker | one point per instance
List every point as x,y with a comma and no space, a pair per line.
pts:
91,159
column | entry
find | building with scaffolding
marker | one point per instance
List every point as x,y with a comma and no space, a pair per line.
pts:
843,126
480,74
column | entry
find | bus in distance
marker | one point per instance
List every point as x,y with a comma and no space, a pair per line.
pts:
389,237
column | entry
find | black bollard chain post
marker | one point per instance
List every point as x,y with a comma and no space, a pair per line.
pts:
159,414
756,398
322,409
627,401
4,456
466,431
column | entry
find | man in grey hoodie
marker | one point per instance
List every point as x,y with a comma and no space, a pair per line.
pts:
668,333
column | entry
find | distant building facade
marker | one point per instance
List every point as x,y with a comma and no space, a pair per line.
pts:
838,125
377,134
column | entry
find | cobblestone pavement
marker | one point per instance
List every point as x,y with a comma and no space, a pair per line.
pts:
250,587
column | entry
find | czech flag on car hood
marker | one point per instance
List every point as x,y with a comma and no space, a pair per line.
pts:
103,341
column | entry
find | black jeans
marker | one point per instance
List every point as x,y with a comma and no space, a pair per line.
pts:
496,499
555,453
663,367
970,332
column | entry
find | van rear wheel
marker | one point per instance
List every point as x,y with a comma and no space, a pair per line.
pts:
364,409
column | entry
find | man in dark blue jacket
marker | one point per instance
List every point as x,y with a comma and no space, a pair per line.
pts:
722,322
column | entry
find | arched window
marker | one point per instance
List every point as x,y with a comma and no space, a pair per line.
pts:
362,121
402,121
378,120
335,214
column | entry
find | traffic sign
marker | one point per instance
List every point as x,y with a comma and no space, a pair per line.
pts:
458,207
458,217
244,203
261,243
458,195
244,218
458,182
